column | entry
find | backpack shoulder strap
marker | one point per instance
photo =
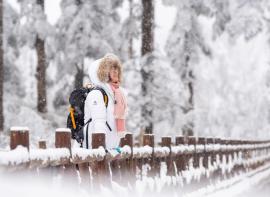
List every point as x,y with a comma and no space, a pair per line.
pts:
105,96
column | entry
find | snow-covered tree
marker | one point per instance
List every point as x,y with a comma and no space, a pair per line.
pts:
12,78
163,94
13,88
232,92
183,46
86,29
130,31
162,98
33,31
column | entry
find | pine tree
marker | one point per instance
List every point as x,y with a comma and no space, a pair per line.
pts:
182,48
130,31
146,49
85,31
33,31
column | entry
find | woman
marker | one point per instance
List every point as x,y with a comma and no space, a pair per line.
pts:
106,73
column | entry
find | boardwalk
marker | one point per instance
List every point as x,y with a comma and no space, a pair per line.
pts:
262,189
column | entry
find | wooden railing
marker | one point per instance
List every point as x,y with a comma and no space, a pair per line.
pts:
193,161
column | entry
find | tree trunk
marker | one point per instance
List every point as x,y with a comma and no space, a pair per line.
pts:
147,27
79,77
147,48
1,68
130,42
41,71
188,129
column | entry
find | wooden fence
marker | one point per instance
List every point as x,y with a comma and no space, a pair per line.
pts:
194,161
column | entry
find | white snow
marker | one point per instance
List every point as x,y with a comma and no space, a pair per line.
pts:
234,186
63,130
83,153
144,151
14,157
50,154
16,128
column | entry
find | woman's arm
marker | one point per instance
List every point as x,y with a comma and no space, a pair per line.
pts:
95,103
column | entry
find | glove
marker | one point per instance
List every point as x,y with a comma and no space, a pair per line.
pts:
118,149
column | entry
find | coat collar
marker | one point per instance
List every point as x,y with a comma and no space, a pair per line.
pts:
107,89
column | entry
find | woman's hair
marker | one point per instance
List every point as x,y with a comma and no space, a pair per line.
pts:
108,62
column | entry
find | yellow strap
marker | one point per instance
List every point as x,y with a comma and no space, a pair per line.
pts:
106,100
71,110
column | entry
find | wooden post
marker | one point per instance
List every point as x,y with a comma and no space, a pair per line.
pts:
208,159
202,154
217,159
230,157
19,136
256,153
238,154
192,162
148,140
234,156
192,141
224,142
242,154
253,153
127,140
201,159
166,142
245,155
126,165
209,142
42,171
42,144
261,151
181,160
63,140
99,168
267,150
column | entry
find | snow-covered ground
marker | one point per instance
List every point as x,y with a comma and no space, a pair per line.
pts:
255,181
28,185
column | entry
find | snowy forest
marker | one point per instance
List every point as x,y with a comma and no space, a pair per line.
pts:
191,67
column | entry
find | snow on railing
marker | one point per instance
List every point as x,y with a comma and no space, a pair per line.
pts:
17,156
142,152
50,156
81,155
161,151
189,158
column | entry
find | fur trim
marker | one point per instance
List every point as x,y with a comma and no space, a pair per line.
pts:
107,62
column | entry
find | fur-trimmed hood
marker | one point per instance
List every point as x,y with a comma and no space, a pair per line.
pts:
92,72
99,70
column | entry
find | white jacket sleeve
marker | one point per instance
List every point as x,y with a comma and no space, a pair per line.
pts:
97,108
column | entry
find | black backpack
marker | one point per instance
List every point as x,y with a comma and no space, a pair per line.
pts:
75,120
